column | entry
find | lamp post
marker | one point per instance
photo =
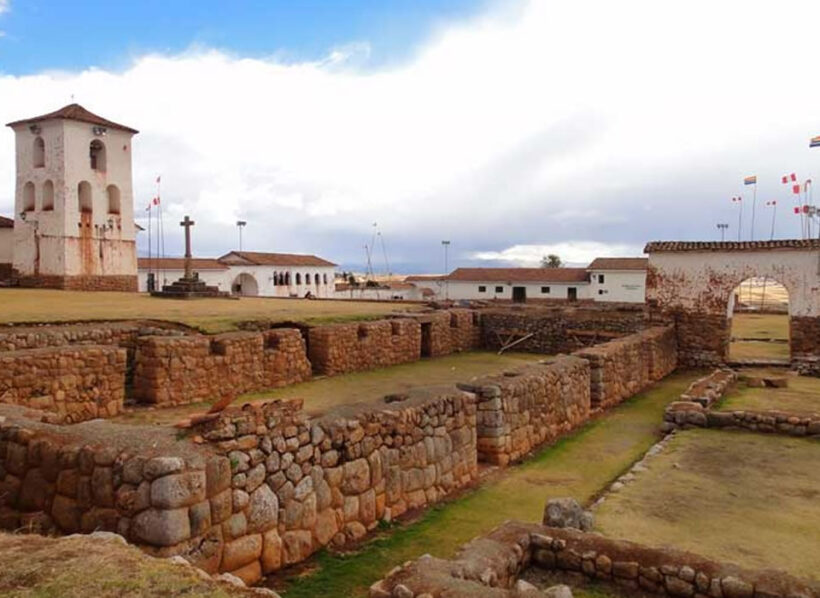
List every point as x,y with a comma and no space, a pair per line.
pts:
446,245
240,224
722,226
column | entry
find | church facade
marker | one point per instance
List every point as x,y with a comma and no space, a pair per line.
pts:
73,207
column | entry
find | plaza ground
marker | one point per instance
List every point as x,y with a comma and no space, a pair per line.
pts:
747,498
210,315
580,465
322,394
802,395
759,336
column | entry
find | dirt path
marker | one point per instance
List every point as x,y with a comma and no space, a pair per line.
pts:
580,466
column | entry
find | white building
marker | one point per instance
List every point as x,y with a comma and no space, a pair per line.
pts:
605,279
618,279
73,207
249,273
6,246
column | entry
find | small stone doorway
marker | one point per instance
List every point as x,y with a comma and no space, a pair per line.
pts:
572,294
426,339
519,294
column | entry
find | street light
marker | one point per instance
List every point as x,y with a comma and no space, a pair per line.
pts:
722,226
446,245
240,225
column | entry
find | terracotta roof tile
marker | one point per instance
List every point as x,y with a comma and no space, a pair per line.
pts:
659,246
74,112
619,263
423,277
6,222
519,275
178,263
256,258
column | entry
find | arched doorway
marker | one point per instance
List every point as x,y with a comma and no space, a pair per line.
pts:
759,320
245,284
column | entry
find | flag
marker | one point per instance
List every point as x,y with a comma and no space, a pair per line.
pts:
815,141
805,209
155,201
785,179
796,189
750,180
793,177
797,210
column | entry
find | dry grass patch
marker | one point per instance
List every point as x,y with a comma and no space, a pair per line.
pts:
765,328
746,498
212,315
801,396
33,566
325,393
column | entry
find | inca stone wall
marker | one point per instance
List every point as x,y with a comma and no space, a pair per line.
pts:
559,330
179,370
75,383
623,367
804,340
492,566
340,348
522,409
266,488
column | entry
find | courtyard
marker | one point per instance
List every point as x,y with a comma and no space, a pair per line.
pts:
209,315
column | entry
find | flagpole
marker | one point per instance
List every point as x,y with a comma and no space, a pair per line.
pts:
150,268
739,217
754,205
774,214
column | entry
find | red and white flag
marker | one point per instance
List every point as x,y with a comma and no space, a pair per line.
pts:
796,189
793,177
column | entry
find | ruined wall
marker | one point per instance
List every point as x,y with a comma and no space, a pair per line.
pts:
178,370
121,283
804,340
693,283
121,334
559,330
491,565
266,488
522,409
623,367
75,383
340,348
450,331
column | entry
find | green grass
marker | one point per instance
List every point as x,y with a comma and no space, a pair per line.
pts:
752,499
324,393
210,315
762,326
580,465
802,395
758,350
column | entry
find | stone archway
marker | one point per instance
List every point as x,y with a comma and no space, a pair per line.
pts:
245,285
692,283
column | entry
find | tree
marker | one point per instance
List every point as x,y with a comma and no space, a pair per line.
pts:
551,261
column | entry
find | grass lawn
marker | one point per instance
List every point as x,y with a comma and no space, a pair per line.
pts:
580,465
733,496
33,566
763,327
758,350
212,315
324,393
801,396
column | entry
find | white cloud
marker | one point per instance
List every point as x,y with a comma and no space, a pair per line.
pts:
612,121
570,252
5,6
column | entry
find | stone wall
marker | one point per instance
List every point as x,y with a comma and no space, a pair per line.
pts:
450,331
121,334
623,367
684,414
804,340
559,330
522,409
707,390
123,283
493,566
74,382
340,348
179,370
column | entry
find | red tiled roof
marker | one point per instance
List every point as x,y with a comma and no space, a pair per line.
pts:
178,263
255,258
519,275
619,263
6,222
423,277
658,246
74,112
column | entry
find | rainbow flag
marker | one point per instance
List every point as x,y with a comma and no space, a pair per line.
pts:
815,141
750,180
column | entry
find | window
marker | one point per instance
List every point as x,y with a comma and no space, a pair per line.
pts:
482,289
97,154
298,278
545,290
600,279
39,153
84,203
28,197
287,278
273,278
113,193
48,196
307,277
324,277
602,292
316,279
499,289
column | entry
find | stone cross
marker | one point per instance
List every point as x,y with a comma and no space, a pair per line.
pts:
188,223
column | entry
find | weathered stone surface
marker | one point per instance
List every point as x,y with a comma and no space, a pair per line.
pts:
241,551
178,490
263,509
162,527
271,551
566,512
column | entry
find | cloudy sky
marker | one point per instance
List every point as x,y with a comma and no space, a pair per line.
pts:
512,129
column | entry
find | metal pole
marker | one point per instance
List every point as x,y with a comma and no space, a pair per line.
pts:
240,224
446,245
